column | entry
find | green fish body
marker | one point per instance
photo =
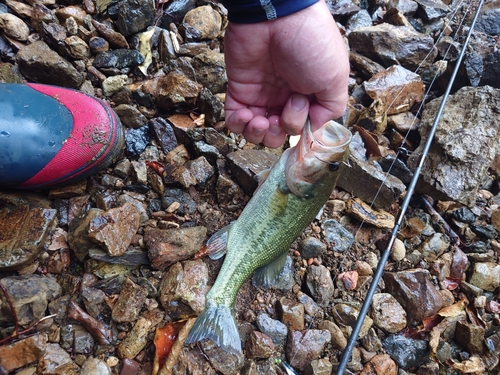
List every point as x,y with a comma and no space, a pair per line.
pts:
291,196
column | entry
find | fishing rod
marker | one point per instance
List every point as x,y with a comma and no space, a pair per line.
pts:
385,255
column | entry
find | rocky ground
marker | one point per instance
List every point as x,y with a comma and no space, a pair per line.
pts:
99,277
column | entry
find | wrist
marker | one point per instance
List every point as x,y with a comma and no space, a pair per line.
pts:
252,11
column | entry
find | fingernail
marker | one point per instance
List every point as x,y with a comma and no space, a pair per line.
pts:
275,130
298,102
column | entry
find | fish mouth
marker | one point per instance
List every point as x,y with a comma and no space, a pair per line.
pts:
331,138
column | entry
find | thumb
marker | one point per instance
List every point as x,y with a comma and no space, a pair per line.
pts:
294,114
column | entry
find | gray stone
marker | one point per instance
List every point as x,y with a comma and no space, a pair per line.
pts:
276,330
38,63
489,18
387,313
320,284
464,145
135,16
485,276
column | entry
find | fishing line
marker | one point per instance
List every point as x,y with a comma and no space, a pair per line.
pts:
385,255
419,110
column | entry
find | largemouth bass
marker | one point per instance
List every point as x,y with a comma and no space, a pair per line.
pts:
291,196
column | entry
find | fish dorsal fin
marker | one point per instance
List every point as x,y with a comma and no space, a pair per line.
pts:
269,275
216,245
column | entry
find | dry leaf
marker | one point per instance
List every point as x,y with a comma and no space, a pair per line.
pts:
459,264
145,50
370,141
168,342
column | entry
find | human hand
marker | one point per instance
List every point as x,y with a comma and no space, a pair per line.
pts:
283,70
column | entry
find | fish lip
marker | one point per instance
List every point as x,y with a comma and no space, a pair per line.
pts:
336,134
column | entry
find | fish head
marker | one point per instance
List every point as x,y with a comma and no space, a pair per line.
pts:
316,161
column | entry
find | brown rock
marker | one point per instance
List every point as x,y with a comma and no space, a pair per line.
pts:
169,246
136,339
206,20
470,336
302,347
291,314
24,226
114,229
129,302
176,91
78,234
183,289
259,346
22,353
72,11
414,291
397,87
381,364
114,38
21,9
14,27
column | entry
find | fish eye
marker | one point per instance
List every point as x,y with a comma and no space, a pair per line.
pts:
333,167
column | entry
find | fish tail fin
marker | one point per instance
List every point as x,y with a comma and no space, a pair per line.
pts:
217,323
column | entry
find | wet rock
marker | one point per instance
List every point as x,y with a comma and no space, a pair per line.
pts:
338,340
130,116
363,176
77,48
114,38
336,235
246,164
57,361
291,313
359,19
318,367
38,63
113,84
371,341
136,339
95,366
406,352
200,169
98,45
136,140
175,12
119,58
228,363
276,330
77,13
434,246
187,205
392,45
259,346
137,203
176,91
363,212
25,224
14,27
432,9
414,291
489,19
206,20
54,35
381,364
364,65
183,289
29,295
129,302
484,231
114,229
77,339
135,16
345,316
485,275
166,247
398,87
304,346
211,106
320,284
387,313
164,133
210,71
464,145
32,349
471,336
311,247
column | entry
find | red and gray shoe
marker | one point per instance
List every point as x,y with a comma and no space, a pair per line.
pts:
52,136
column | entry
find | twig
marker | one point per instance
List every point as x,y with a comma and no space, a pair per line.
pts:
96,328
454,237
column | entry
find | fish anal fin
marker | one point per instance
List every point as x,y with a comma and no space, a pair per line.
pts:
215,247
218,324
268,276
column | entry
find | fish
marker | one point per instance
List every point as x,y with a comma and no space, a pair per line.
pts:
288,199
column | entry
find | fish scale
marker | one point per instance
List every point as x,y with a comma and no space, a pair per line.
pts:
291,196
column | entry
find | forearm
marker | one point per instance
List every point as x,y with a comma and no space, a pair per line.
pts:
250,11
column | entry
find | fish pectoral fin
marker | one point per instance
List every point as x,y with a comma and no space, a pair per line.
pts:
216,245
260,178
269,275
